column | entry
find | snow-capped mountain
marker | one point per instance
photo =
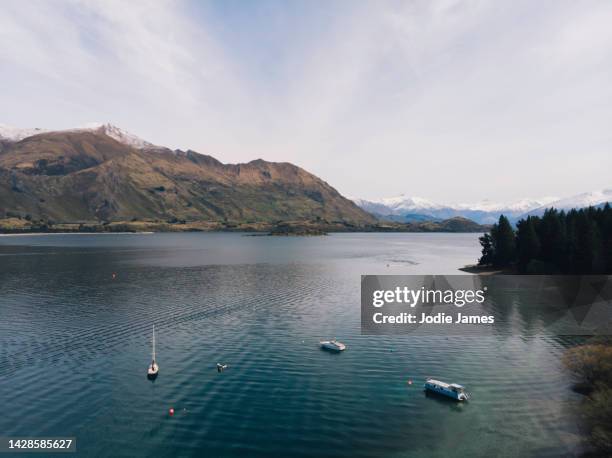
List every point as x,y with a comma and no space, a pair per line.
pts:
398,206
586,199
519,206
122,136
85,175
405,208
410,203
15,134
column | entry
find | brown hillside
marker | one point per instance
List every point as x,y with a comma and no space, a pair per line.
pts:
87,175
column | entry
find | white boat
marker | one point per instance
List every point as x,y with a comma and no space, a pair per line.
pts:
452,390
332,345
153,367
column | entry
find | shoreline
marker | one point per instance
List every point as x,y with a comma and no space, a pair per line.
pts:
23,234
246,232
314,227
485,270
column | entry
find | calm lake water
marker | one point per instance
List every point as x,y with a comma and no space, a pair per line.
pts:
75,345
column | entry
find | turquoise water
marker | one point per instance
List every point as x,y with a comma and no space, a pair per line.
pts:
75,344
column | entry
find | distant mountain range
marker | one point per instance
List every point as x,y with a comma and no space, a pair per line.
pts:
586,199
103,173
416,209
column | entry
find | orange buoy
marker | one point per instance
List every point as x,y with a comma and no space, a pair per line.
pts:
171,411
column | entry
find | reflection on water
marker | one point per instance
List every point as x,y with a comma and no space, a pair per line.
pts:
75,345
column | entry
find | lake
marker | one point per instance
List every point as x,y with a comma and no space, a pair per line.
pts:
75,342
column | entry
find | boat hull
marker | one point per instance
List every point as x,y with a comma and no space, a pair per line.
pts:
333,347
152,371
433,388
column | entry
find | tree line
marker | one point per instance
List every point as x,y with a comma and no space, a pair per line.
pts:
558,242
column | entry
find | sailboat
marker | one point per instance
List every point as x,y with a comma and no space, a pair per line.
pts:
153,367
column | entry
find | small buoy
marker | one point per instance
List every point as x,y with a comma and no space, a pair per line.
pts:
171,411
114,275
409,382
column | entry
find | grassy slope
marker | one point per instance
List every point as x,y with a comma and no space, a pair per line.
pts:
87,176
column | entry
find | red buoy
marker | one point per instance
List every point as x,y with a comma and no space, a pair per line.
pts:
171,411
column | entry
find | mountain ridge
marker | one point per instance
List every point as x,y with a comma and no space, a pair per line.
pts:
103,173
582,200
16,134
408,209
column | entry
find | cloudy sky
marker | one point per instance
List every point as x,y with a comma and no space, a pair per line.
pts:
450,100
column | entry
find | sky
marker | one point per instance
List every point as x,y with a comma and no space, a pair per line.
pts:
450,100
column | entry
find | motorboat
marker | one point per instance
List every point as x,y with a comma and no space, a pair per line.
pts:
332,345
452,390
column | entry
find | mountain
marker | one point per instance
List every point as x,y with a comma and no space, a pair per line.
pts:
118,134
586,199
15,134
103,173
409,209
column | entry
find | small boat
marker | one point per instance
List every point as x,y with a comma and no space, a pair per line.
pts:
452,390
332,345
153,367
221,367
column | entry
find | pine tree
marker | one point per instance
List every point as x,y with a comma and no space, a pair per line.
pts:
528,244
504,244
585,241
606,235
552,235
486,241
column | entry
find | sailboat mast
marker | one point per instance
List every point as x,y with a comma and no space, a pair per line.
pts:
153,342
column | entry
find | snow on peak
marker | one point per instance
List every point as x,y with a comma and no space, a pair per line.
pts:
121,135
586,199
15,134
404,203
484,211
519,206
